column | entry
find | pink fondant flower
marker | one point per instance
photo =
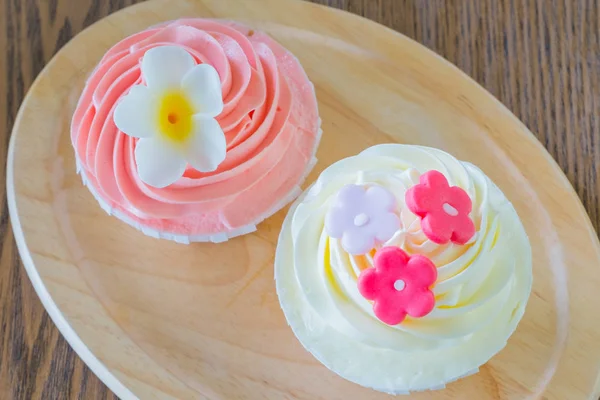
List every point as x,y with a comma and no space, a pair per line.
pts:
399,285
444,209
361,216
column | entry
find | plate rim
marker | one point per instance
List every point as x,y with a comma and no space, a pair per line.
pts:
60,321
66,329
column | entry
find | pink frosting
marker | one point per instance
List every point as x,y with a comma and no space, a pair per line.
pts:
270,120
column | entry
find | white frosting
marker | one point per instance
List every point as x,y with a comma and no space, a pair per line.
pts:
481,291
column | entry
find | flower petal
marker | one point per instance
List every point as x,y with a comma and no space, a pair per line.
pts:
356,241
438,227
420,271
434,179
420,200
203,87
421,303
158,163
459,199
351,197
390,260
464,229
387,313
207,147
164,67
378,197
337,221
134,114
368,284
385,226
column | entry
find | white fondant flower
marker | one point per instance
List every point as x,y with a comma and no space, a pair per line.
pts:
173,116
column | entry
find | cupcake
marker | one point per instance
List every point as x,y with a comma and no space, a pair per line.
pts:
196,130
403,269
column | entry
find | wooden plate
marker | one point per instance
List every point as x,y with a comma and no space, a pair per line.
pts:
159,320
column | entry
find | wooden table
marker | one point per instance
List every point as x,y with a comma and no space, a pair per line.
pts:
540,58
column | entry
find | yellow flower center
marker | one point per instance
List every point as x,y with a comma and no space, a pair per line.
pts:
175,116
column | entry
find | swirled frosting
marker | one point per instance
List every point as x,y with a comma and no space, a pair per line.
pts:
270,121
481,289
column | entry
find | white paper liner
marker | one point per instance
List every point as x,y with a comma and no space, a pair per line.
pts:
437,387
213,238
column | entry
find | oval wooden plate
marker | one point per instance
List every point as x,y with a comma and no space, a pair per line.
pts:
159,320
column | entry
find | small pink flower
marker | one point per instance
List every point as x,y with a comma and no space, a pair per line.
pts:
399,285
444,209
362,217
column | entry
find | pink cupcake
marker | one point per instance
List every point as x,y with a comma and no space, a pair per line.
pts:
196,130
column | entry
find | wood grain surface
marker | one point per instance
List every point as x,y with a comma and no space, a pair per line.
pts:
540,58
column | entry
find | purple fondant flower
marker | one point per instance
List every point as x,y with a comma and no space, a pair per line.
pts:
361,217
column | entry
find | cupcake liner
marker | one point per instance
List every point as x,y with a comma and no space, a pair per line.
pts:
436,387
211,238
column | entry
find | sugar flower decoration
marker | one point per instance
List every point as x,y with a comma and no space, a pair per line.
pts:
399,285
444,209
173,115
362,217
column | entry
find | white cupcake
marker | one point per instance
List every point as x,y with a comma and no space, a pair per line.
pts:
402,269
